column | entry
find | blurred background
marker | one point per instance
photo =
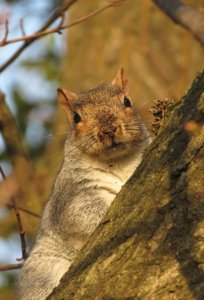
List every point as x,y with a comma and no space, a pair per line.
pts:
160,58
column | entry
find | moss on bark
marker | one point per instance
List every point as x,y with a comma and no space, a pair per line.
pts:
150,244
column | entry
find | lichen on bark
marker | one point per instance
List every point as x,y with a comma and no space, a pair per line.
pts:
150,244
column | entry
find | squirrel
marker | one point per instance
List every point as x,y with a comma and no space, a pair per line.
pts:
103,148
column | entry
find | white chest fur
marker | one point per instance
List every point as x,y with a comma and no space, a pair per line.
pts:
109,177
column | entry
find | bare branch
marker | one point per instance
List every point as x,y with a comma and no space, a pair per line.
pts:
22,27
14,146
24,173
88,16
58,12
21,231
184,15
2,173
11,267
18,218
9,188
6,32
60,27
61,23
28,211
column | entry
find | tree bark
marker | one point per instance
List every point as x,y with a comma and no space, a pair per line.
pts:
184,15
150,245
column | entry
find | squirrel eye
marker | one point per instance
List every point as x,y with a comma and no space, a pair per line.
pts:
77,117
127,102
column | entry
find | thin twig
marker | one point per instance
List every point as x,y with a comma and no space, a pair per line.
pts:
6,32
2,173
90,15
51,20
58,29
25,210
22,168
22,27
21,232
11,267
61,23
20,226
11,194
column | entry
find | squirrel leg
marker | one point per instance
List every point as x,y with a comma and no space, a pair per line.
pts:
42,272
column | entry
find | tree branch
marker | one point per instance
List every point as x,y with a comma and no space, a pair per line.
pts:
44,31
23,171
22,27
20,226
184,15
11,267
60,27
14,146
6,32
58,12
9,189
18,218
28,211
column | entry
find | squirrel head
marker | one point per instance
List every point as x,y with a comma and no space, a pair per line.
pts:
104,124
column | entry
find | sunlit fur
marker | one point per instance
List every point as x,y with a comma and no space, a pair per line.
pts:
112,130
101,153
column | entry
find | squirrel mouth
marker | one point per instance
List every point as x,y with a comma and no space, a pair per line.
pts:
109,143
115,145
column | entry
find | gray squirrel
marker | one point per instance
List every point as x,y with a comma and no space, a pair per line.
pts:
103,148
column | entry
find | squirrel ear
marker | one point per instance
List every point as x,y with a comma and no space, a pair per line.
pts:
121,81
67,100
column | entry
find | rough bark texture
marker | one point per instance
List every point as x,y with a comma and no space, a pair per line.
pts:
150,245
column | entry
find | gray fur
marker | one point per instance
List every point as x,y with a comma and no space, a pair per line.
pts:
84,189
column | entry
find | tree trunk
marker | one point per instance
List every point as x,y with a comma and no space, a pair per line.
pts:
150,243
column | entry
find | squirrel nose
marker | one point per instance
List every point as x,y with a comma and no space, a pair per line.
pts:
107,126
107,132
